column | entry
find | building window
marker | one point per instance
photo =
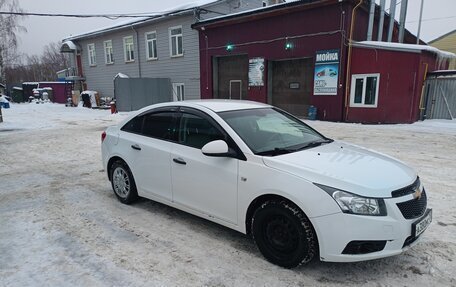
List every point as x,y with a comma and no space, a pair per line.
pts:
129,49
108,52
92,54
151,45
364,90
175,41
178,92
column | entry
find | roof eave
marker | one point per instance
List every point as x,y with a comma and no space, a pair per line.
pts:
264,12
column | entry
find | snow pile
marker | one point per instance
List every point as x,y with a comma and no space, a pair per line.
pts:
41,116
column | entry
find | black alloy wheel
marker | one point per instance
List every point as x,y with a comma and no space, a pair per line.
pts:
283,234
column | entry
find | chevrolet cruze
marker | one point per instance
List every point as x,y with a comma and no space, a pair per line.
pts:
261,171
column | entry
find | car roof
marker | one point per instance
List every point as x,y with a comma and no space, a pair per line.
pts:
218,105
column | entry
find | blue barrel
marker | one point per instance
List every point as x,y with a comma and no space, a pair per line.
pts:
312,113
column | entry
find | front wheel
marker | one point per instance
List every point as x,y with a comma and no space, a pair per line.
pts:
123,183
283,234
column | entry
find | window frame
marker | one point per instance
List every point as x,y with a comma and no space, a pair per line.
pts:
154,45
228,139
131,60
363,95
92,54
175,88
176,37
111,54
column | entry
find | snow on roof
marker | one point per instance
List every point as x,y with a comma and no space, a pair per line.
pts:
405,47
139,20
250,11
121,75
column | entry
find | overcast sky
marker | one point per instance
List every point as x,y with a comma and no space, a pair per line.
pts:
439,17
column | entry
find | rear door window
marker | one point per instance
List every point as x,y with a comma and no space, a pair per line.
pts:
160,125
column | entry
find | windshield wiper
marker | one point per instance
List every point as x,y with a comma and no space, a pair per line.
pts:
314,144
279,150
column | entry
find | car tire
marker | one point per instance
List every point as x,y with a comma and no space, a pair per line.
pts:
284,234
122,182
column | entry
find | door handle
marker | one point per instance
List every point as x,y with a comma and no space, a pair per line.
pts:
179,161
136,147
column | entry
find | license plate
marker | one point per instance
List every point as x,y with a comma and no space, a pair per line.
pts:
420,226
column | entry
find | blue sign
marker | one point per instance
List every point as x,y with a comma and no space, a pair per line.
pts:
326,75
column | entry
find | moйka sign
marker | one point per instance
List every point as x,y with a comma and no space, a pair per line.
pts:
326,72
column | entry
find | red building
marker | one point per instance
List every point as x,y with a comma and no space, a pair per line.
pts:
296,54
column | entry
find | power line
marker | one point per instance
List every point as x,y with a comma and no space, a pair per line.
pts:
109,16
432,19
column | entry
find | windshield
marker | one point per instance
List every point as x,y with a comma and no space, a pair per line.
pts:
271,132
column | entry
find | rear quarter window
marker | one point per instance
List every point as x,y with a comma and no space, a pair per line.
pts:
134,125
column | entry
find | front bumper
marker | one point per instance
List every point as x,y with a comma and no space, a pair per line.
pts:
336,231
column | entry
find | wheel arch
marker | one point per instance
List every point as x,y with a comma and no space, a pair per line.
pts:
111,161
257,202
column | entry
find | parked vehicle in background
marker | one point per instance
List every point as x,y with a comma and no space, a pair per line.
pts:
259,170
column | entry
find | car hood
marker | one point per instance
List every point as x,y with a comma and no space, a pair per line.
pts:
346,167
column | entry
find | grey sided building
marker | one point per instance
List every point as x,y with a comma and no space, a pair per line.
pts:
161,46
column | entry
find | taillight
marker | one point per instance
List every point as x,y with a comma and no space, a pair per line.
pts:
103,136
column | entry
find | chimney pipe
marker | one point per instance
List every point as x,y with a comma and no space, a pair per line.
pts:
370,27
391,22
402,20
381,21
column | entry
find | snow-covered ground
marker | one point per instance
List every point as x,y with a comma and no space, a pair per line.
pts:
61,225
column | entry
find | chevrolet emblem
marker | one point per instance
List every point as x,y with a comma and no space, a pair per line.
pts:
417,193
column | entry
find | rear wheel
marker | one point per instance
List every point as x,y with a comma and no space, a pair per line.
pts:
283,234
123,183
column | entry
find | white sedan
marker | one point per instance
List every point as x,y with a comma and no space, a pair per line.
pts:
261,171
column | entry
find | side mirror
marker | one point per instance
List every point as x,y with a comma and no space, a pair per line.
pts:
217,148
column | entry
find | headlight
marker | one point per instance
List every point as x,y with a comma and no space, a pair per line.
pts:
355,204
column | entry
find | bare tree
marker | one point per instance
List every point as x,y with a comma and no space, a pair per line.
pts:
9,27
52,61
37,68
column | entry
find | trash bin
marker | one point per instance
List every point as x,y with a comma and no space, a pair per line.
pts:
312,113
17,95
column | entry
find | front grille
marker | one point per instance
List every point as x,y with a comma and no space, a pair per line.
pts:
413,208
407,190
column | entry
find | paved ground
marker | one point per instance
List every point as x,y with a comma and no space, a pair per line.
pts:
62,226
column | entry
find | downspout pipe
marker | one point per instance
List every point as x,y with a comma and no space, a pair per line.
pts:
402,20
347,74
137,50
391,22
381,21
370,26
